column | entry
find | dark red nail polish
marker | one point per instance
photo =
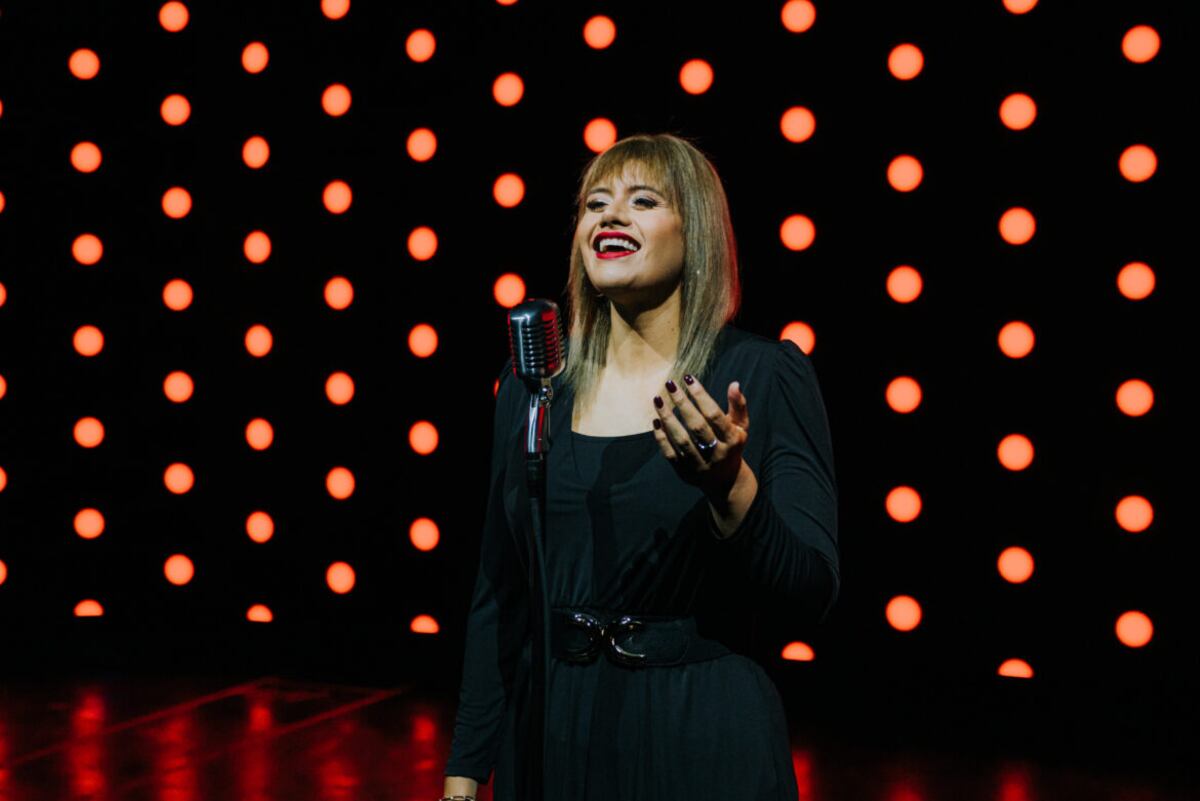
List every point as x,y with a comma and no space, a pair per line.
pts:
658,401
657,423
689,380
671,386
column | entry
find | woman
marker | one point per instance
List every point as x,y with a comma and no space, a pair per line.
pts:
660,505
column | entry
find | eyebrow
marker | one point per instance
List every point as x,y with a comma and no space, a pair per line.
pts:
633,188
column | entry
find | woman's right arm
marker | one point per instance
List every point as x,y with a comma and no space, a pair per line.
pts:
497,622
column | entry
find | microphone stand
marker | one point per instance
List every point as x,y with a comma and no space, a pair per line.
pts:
537,448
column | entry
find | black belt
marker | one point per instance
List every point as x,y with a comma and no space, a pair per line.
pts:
578,634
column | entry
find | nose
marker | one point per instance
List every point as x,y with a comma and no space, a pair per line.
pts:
613,213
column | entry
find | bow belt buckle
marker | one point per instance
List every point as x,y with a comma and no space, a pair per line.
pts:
601,634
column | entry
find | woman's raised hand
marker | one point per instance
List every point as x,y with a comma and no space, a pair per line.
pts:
703,422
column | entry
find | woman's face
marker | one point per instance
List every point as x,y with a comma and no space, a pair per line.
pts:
630,209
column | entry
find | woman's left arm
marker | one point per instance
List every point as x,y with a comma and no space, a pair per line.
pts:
787,534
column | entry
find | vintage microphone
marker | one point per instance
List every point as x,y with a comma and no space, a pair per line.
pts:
538,354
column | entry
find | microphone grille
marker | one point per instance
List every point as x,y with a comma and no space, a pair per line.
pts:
536,339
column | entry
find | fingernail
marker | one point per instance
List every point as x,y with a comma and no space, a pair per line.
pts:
738,386
671,386
658,401
689,380
657,423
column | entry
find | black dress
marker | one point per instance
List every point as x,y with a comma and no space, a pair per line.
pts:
624,532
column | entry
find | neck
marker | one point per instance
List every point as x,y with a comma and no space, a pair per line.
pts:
644,341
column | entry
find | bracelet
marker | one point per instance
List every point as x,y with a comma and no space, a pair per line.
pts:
457,798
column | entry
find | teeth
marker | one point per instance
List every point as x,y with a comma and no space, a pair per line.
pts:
616,240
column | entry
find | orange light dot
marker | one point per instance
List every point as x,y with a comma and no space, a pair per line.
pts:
173,16
258,340
177,294
3,479
1017,226
335,9
420,45
339,576
178,569
509,290
696,76
904,173
255,57
259,526
89,523
335,99
87,249
422,340
176,202
1135,280
1134,629
1015,452
903,394
798,15
339,483
175,109
424,624
599,32
88,340
903,504
905,61
257,247
337,197
506,2
508,190
259,434
797,652
802,334
1135,397
255,152
508,89
423,437
423,534
1015,669
422,243
260,613
178,386
86,157
904,284
1020,6
903,613
1137,163
1018,111
339,293
89,608
3,386
797,232
1015,339
1015,565
2,201
84,64
339,388
1140,44
178,478
1134,513
422,144
89,432
797,124
599,134
3,294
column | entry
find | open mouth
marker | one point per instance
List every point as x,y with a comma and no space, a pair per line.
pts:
615,247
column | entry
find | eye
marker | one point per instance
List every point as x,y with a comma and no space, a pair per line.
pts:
650,202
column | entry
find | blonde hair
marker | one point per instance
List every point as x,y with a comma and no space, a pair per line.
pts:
710,295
